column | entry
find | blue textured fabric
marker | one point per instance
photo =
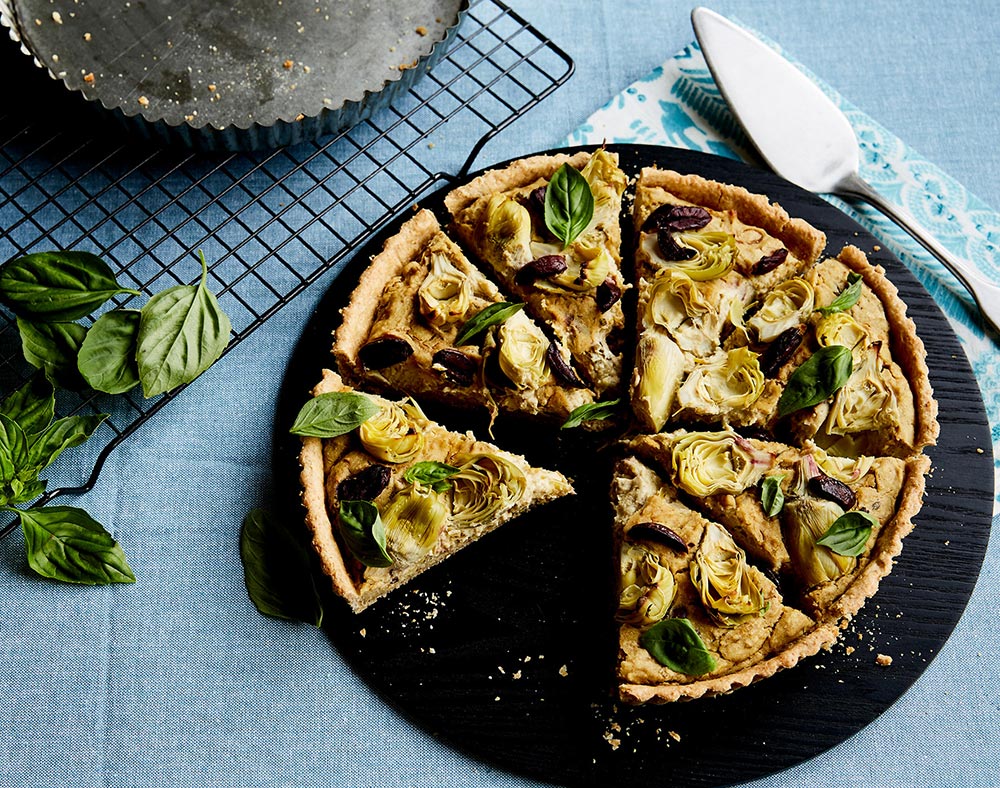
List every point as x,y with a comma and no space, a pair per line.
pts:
177,681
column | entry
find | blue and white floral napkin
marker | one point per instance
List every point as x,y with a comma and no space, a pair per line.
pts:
679,105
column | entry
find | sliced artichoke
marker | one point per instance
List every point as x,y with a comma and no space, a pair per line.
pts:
786,305
607,184
445,294
721,575
715,254
844,469
522,350
413,520
728,382
658,371
647,588
586,267
508,229
486,485
704,463
866,402
839,328
805,520
396,433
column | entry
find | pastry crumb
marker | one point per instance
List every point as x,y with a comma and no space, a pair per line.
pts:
143,101
363,632
850,650
563,671
57,17
421,31
288,64
89,77
674,735
884,660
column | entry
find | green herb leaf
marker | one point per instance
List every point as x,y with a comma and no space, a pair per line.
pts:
674,643
433,474
65,543
772,498
592,411
53,348
490,316
57,287
13,446
817,378
569,204
62,434
33,406
849,533
333,414
277,570
107,356
182,332
848,297
363,532
24,491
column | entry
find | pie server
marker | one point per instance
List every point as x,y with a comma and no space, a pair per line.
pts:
805,138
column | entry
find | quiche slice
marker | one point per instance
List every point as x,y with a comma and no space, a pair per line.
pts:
412,303
695,617
399,493
573,287
713,263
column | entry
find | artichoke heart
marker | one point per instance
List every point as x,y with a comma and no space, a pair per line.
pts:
785,306
607,184
866,401
508,229
486,485
413,520
844,469
658,371
647,588
731,381
394,434
522,349
704,463
445,294
840,328
721,575
805,520
715,253
586,268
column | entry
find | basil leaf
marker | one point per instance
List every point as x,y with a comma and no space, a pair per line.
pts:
277,570
107,356
848,297
62,434
57,287
849,533
592,411
569,204
65,543
33,406
433,474
674,643
772,498
363,532
24,491
182,332
53,348
13,448
817,378
333,414
490,316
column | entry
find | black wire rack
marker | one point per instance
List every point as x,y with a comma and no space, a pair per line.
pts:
270,223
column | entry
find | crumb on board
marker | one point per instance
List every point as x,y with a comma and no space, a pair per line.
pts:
363,632
57,17
849,650
674,735
288,64
884,660
421,30
610,739
87,36
564,671
143,101
89,77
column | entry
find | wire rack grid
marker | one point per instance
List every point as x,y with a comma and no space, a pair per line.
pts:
270,223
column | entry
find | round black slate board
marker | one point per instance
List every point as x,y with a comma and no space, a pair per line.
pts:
506,651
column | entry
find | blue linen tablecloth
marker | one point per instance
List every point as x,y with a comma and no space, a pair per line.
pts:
177,681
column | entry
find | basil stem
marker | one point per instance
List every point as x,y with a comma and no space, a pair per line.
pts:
569,204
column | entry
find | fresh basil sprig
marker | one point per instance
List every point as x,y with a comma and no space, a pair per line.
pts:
675,644
432,474
182,332
849,533
54,348
363,532
107,356
57,287
591,411
490,316
816,379
333,414
277,570
569,204
772,498
848,296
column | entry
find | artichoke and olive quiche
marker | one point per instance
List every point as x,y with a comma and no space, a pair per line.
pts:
778,408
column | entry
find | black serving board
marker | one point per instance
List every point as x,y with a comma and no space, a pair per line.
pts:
506,651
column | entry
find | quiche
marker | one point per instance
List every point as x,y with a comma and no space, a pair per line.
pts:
400,493
402,328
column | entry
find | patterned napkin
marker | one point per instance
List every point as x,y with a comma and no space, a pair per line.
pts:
679,105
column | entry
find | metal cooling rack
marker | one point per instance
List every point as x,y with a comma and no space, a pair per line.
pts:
269,223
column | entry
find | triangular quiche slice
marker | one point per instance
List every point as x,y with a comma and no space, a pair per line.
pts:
695,617
397,493
412,303
708,255
576,289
